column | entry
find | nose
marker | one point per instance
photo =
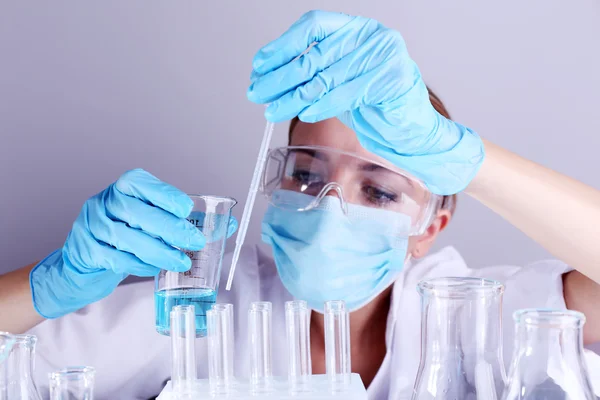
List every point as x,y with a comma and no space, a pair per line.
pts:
335,190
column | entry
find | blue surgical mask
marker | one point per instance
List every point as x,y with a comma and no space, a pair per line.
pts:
324,254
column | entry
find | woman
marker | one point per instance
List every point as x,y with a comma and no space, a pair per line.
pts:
369,141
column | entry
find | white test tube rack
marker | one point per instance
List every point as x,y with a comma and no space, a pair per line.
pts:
300,384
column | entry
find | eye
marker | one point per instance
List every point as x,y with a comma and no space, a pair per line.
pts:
307,178
378,196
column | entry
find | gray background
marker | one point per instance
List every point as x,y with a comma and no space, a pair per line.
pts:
91,89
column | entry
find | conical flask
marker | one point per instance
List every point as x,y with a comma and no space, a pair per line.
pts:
72,383
461,340
16,372
548,360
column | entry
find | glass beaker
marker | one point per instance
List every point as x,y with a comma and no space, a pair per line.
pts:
16,372
548,360
199,285
72,383
461,340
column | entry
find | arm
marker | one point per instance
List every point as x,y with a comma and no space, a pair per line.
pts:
374,87
17,314
558,212
117,233
583,294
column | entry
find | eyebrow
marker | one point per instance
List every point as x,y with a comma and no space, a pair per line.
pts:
313,153
366,166
370,167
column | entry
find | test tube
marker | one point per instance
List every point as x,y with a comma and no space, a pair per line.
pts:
259,335
220,348
183,351
337,345
72,383
297,324
228,338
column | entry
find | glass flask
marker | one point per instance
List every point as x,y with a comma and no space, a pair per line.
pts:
548,360
72,383
199,285
6,343
16,372
461,340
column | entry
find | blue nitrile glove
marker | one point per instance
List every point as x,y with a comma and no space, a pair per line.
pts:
128,228
360,72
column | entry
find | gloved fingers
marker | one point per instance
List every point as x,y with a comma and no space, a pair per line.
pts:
339,100
339,88
93,227
374,59
330,51
86,254
127,263
146,187
154,221
313,26
149,250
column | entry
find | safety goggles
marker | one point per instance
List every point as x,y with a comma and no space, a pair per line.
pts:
366,188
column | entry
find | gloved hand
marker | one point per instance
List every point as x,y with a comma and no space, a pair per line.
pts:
360,72
129,228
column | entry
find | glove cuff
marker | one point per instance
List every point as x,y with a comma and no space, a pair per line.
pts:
43,281
58,289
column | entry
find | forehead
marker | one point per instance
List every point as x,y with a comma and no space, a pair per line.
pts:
331,133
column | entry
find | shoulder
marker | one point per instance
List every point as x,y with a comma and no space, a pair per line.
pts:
443,263
449,262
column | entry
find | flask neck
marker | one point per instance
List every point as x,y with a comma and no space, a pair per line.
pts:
461,340
16,372
548,355
554,351
471,325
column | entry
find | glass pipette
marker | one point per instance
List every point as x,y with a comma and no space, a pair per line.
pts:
258,170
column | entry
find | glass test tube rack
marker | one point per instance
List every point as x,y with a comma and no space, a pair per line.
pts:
300,384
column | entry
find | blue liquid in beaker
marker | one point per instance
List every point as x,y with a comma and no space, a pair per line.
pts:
165,300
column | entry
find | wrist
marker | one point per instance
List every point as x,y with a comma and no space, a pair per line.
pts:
57,288
42,282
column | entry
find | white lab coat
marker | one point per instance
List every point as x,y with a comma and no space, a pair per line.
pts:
116,335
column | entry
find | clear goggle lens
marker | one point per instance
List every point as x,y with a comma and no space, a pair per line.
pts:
365,188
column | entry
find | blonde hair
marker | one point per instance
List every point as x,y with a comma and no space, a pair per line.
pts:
449,202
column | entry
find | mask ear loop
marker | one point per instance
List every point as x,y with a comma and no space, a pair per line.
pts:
326,189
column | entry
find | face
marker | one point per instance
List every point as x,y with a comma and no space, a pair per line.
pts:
334,134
